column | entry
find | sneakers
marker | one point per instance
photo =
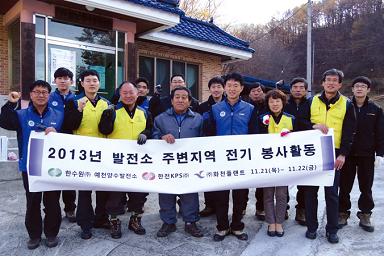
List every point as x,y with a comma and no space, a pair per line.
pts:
166,229
332,238
33,243
310,235
51,241
343,217
115,228
300,216
260,215
71,216
135,225
220,235
365,221
86,234
102,224
240,234
207,211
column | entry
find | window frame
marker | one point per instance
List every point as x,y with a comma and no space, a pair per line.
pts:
186,63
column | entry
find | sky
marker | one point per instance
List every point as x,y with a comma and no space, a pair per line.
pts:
253,11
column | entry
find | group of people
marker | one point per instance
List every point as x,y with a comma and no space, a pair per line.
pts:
358,139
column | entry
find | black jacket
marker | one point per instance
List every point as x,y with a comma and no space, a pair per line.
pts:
260,107
301,111
158,105
206,106
369,136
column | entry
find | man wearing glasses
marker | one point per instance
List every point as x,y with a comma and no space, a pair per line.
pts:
37,117
369,140
330,109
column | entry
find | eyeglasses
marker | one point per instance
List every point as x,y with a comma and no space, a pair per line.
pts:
362,86
44,93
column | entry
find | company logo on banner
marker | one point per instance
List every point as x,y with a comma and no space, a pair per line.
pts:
70,162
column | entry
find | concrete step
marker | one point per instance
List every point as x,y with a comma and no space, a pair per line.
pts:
9,170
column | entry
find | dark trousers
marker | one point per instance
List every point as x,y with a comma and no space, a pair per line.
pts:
33,220
300,197
69,198
85,216
332,206
240,199
259,195
135,203
209,199
364,168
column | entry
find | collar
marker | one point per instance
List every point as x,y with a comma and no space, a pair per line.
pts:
278,118
211,101
292,100
94,102
188,113
33,108
365,101
333,99
238,101
130,113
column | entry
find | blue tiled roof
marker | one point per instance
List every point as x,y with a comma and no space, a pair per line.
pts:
158,5
208,32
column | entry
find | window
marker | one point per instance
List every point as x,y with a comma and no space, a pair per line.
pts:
159,71
178,68
192,79
79,48
147,70
14,64
163,74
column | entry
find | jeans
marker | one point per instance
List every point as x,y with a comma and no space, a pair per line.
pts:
189,207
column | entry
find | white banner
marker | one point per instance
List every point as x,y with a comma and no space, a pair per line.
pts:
69,162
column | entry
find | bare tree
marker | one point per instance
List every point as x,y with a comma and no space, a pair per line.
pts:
201,9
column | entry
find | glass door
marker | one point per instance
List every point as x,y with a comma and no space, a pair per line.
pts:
78,60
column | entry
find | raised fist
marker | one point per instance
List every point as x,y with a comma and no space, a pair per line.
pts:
14,97
81,103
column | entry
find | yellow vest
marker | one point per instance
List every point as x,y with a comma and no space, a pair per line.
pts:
286,122
91,117
126,127
333,118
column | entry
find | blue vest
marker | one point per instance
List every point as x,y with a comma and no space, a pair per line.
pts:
30,120
145,104
232,120
56,100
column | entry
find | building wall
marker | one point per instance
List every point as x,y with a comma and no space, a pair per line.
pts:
4,86
210,65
